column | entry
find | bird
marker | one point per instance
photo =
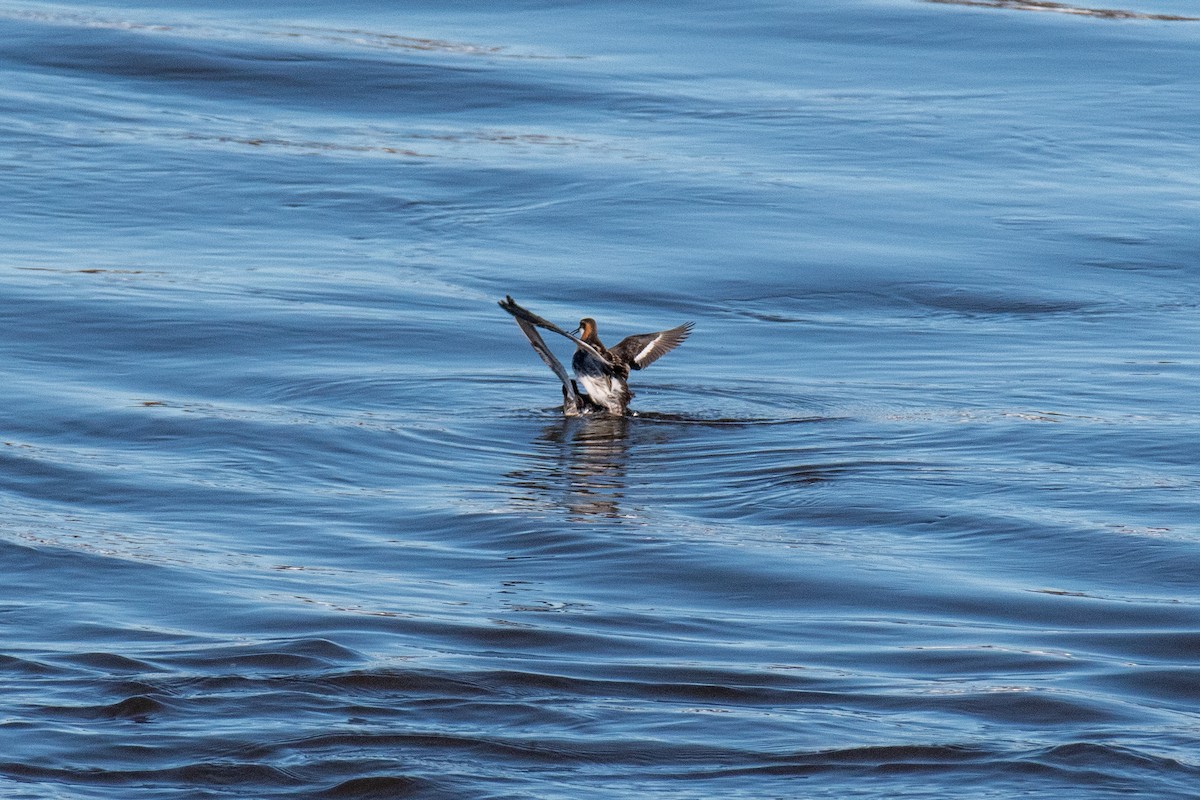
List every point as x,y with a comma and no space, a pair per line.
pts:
602,373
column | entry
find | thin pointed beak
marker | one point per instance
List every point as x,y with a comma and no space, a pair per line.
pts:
577,331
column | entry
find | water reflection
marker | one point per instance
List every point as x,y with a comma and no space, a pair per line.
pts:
580,466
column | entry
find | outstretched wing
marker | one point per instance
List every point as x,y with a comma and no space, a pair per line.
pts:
553,363
643,349
525,315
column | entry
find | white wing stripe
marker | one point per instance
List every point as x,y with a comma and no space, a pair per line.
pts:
646,350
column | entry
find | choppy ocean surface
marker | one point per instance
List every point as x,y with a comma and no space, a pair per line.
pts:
289,508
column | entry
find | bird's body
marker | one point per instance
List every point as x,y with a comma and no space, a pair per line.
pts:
607,384
601,373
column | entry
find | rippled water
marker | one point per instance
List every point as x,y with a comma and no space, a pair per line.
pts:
289,509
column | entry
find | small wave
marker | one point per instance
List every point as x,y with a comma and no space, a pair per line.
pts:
208,774
110,663
1065,8
971,302
1179,685
139,708
722,422
11,665
359,38
287,656
384,787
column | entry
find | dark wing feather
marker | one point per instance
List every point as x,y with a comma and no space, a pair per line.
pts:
643,349
524,314
553,363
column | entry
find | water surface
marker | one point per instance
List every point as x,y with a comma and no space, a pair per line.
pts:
289,507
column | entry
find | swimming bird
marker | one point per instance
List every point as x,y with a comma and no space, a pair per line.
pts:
603,373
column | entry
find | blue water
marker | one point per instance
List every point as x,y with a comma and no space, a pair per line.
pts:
289,509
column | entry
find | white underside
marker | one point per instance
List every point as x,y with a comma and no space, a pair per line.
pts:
604,390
